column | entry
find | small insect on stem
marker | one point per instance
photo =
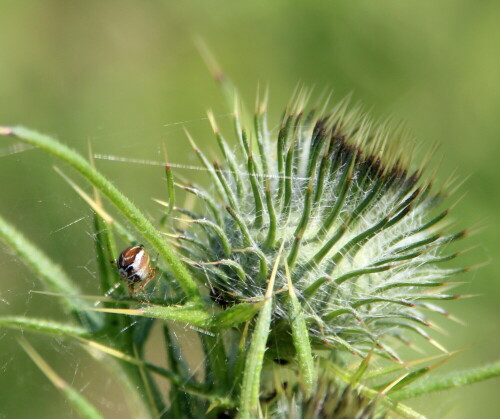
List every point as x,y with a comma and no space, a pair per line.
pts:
134,267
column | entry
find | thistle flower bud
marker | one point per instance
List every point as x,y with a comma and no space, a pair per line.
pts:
362,235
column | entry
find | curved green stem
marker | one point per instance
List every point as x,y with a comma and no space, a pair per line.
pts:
129,210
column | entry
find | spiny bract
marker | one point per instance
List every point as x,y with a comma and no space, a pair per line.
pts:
361,233
330,398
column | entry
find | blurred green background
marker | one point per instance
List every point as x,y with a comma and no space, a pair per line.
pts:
126,77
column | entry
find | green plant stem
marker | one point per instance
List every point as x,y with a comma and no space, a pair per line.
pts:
129,210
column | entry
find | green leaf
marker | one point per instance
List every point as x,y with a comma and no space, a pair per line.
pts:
238,368
50,273
186,314
363,366
42,326
251,377
300,337
399,367
408,379
129,210
74,397
452,380
237,314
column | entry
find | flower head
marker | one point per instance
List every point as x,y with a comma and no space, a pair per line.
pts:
361,233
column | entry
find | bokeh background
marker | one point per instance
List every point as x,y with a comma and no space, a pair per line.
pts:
126,77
